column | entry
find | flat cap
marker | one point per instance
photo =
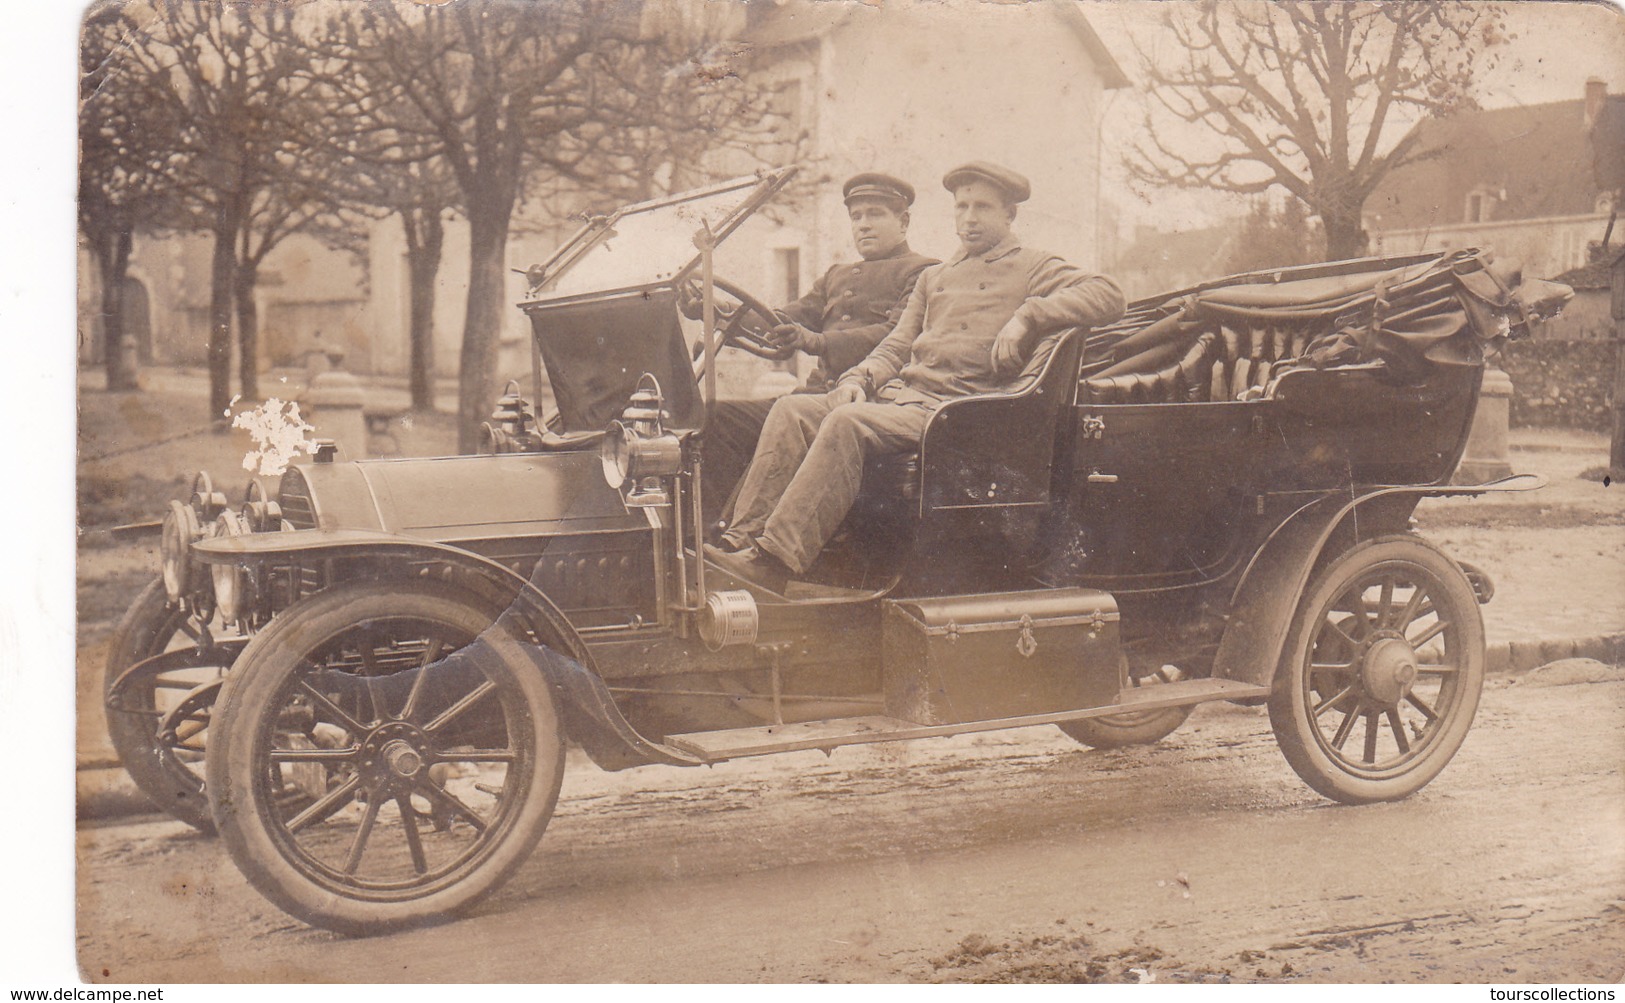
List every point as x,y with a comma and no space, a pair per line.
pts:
874,185
1003,178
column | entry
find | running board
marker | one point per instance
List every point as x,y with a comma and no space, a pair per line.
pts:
739,743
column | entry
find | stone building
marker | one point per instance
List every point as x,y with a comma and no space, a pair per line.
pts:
914,88
1520,180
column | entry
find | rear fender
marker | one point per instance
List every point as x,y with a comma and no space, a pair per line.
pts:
587,707
1272,585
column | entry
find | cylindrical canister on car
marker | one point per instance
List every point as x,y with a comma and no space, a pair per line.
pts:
729,617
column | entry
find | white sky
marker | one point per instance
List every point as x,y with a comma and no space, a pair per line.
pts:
1557,46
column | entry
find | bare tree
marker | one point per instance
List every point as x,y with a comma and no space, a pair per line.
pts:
686,113
422,211
125,182
382,157
421,195
1311,96
586,100
221,85
496,87
285,206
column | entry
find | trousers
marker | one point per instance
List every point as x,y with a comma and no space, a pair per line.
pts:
731,433
808,469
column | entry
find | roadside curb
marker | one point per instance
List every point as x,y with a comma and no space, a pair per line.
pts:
1552,447
1509,657
104,791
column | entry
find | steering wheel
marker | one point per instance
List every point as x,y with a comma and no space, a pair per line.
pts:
743,324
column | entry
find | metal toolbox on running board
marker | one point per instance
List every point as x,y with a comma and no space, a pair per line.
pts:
1003,654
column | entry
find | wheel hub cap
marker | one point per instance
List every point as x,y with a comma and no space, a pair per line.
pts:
1388,670
403,760
392,755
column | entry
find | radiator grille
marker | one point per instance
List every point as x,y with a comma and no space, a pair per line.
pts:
297,507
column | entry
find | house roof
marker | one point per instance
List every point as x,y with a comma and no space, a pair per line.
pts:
792,21
1111,73
1536,154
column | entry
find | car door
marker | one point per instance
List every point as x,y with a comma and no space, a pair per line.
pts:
1158,494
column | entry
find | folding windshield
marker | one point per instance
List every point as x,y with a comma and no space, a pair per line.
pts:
648,244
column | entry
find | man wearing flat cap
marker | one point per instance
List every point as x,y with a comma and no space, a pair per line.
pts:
849,310
970,325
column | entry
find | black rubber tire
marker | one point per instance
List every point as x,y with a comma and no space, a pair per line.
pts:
1319,625
1138,727
240,766
147,629
1116,731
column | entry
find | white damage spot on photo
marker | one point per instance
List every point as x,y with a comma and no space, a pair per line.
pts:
279,435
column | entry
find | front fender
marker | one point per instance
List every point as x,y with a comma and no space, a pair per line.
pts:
1271,586
308,543
590,715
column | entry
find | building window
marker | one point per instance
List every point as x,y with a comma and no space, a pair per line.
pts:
787,267
1480,205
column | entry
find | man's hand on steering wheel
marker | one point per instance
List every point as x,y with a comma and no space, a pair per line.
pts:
689,302
802,339
747,323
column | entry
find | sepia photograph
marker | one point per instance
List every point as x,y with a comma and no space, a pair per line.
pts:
847,491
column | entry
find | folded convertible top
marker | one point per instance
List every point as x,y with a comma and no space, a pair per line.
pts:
1439,308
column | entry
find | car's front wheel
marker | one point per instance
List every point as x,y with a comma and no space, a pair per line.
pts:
381,759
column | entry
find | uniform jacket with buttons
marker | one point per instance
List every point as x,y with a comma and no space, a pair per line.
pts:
943,343
854,306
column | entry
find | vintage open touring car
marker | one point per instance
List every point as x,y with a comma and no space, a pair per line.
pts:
1208,500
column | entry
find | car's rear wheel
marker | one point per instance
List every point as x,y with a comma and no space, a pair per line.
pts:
381,759
1138,727
158,716
1382,672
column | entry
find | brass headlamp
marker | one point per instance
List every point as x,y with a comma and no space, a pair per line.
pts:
637,451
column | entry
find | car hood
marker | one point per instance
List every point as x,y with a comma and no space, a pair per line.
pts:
454,499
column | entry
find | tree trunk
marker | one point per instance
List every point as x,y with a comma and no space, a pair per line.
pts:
423,263
222,283
1344,237
113,257
482,324
248,332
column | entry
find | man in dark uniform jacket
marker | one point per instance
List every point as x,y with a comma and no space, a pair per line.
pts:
969,327
846,314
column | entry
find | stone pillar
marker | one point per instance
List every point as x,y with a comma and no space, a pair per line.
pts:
1486,456
337,402
1616,438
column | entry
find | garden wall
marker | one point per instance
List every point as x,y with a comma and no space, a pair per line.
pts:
1565,384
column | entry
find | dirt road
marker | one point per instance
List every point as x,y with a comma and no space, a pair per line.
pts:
1015,856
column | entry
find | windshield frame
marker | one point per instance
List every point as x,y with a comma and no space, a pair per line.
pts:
763,186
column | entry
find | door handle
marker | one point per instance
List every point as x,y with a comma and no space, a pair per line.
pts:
1096,477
